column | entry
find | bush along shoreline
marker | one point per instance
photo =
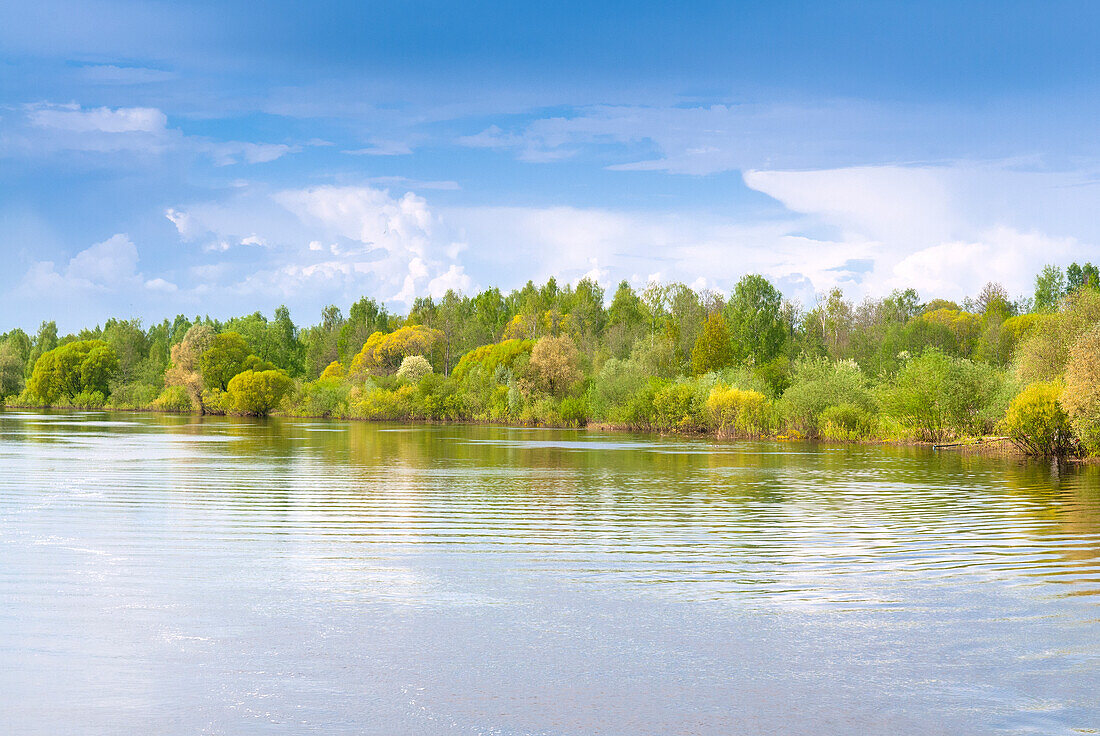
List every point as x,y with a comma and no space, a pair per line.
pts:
667,359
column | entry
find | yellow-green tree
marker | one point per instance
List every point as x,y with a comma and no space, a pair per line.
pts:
383,353
1081,397
554,367
712,350
184,371
256,393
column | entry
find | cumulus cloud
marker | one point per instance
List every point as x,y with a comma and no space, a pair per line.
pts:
331,240
945,230
108,267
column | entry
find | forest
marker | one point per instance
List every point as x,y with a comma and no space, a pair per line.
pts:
668,358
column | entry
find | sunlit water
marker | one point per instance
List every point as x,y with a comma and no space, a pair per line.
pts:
177,576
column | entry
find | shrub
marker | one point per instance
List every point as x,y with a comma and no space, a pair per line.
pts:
733,411
414,368
846,422
88,400
936,396
382,404
174,398
1037,423
491,357
133,395
574,411
819,384
333,370
216,401
258,392
674,407
325,397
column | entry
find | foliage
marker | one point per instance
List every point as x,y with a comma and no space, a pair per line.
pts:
489,357
174,398
224,359
256,393
712,350
668,357
184,371
1043,353
817,385
554,367
1081,397
325,397
754,313
383,352
414,368
1037,423
333,370
733,411
82,367
11,370
936,396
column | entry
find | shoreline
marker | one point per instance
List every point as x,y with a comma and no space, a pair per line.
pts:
986,447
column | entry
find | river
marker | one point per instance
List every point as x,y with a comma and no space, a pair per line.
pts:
178,575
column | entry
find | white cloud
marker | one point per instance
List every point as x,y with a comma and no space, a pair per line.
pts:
944,230
455,278
104,265
100,119
159,284
48,128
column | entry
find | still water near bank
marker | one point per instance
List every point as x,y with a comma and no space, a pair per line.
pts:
177,575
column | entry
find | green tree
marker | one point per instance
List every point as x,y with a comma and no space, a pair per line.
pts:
71,369
321,348
44,341
364,319
11,370
1081,276
627,320
755,318
1049,289
713,350
224,359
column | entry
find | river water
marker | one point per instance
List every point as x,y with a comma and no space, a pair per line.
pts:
177,575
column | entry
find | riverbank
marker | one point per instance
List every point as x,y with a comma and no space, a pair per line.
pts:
981,446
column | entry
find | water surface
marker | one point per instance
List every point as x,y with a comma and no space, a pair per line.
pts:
179,575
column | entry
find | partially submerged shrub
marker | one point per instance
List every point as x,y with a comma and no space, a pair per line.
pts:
257,392
846,422
174,398
1037,423
736,412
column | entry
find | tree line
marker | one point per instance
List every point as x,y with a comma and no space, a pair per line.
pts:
668,358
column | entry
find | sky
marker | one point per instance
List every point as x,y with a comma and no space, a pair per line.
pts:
225,157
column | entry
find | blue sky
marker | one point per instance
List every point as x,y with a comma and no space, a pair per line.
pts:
219,158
